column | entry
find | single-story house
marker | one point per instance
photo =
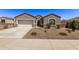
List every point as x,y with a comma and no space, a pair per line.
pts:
30,20
6,22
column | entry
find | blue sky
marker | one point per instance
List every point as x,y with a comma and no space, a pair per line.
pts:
64,13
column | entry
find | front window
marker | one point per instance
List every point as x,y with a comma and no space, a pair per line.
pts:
3,21
52,21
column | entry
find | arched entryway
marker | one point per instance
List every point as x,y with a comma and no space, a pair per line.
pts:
40,22
51,21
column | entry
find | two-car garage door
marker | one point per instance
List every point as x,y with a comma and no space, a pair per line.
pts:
25,22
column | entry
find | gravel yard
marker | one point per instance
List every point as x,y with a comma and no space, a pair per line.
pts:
52,33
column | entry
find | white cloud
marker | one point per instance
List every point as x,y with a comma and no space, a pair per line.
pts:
36,4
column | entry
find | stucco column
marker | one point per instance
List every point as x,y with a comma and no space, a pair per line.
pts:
15,22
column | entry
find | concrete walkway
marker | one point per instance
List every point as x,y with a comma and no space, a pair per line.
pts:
17,32
38,44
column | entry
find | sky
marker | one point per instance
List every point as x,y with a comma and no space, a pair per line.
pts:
64,13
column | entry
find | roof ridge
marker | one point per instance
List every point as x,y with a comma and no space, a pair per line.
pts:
52,14
26,14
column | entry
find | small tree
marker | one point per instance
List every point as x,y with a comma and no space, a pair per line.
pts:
78,25
73,25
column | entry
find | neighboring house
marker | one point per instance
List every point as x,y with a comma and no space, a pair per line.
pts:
6,20
76,19
25,19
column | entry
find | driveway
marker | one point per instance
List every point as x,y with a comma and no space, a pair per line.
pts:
17,32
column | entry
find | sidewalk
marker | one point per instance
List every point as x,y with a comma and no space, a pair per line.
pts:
38,44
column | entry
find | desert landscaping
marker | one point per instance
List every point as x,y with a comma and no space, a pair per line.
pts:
52,33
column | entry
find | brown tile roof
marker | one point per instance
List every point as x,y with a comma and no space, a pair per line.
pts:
23,14
7,18
53,14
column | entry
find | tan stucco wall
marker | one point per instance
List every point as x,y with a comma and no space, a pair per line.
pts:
25,17
57,19
8,20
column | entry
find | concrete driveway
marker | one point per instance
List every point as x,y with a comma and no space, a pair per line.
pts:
17,32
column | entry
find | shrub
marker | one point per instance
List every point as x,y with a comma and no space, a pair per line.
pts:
48,26
73,25
63,34
69,31
5,27
45,31
58,26
78,26
33,33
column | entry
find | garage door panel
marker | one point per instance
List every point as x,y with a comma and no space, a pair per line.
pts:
27,22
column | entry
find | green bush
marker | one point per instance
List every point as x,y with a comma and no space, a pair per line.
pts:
77,25
73,25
